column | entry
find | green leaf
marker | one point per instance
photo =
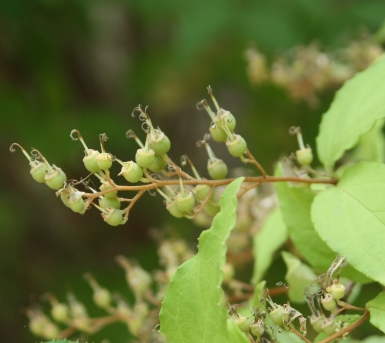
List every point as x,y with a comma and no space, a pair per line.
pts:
192,310
354,111
376,308
295,203
62,341
235,334
258,290
298,277
266,242
351,218
371,145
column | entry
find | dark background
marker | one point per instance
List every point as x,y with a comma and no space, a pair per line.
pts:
85,65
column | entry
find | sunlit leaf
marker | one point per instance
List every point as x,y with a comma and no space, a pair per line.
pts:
351,218
295,203
192,310
354,111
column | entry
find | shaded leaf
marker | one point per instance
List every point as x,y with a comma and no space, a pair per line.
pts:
192,309
235,334
376,308
298,277
351,218
354,111
266,242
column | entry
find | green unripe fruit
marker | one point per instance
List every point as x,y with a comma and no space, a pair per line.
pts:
328,302
276,315
37,323
202,191
317,322
131,171
76,203
109,202
304,156
60,312
159,163
56,179
236,147
102,298
243,323
185,203
38,171
104,161
114,217
90,161
337,291
64,196
50,331
217,133
329,327
217,169
229,120
107,186
145,158
173,209
258,328
160,144
211,208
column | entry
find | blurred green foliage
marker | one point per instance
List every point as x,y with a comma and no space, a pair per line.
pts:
85,65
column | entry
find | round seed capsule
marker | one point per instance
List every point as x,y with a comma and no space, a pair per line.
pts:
159,163
173,209
202,191
217,133
104,161
38,171
114,217
304,156
109,202
55,180
217,169
185,203
131,171
160,144
90,161
145,158
236,147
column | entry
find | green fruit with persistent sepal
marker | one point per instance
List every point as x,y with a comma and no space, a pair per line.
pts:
337,291
186,202
217,134
159,142
237,147
329,326
90,161
228,119
276,315
109,202
104,161
304,156
64,196
105,186
174,210
328,302
202,191
38,171
76,203
56,179
316,322
217,169
145,158
159,163
113,217
131,171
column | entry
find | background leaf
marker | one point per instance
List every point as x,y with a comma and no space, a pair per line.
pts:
376,308
354,111
295,203
235,334
192,309
351,218
298,277
266,242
